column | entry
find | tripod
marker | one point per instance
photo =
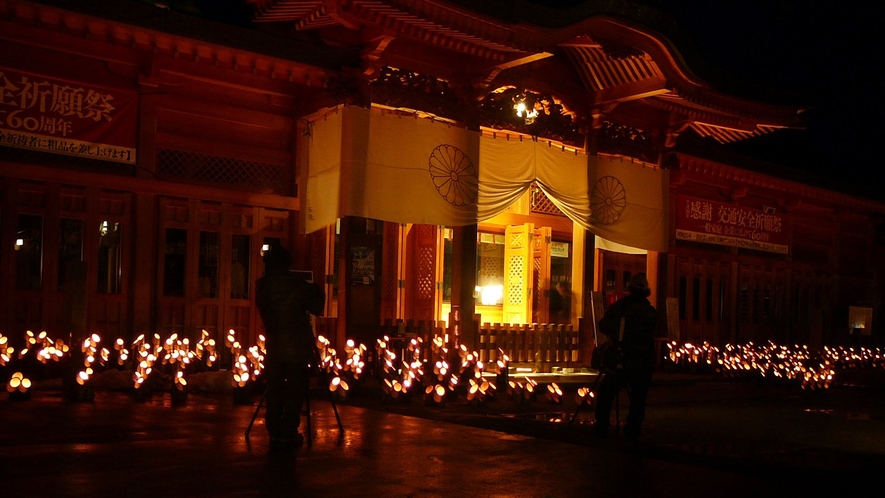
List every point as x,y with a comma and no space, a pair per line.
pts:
586,399
325,378
606,370
321,373
620,383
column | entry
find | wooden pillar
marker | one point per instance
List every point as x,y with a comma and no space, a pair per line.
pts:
147,136
656,272
77,299
735,302
8,190
590,271
343,276
463,286
143,292
579,282
359,294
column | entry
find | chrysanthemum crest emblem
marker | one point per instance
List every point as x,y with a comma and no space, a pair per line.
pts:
454,175
608,200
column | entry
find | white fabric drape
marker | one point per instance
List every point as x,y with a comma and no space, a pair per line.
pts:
629,202
630,198
403,169
324,172
608,245
508,166
393,168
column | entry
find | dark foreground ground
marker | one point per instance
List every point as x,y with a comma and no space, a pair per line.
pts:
704,436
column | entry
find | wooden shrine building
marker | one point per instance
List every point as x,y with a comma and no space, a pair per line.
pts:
444,163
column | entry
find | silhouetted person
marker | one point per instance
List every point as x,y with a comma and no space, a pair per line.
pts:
285,302
638,356
560,303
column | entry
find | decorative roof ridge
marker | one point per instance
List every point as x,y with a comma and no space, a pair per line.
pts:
148,28
736,116
491,28
748,108
717,161
651,31
611,23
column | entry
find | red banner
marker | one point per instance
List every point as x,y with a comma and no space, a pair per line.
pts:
712,222
51,115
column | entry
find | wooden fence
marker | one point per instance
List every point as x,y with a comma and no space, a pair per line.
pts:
402,331
540,346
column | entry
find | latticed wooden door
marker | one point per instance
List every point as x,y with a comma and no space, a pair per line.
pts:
209,260
424,301
66,251
541,285
518,273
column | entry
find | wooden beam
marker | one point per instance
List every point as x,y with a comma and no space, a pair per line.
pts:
494,71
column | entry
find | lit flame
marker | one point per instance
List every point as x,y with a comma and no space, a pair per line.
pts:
18,383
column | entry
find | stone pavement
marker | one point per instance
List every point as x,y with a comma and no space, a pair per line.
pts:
707,420
703,437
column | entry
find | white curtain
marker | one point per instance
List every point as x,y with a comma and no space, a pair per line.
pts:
406,169
324,171
393,168
629,202
508,166
623,201
608,245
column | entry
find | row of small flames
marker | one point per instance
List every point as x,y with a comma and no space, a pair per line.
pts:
811,369
146,353
402,377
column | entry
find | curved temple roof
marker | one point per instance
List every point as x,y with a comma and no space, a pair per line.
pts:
622,66
605,61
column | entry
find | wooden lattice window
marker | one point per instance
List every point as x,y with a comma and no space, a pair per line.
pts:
514,293
490,268
542,204
425,273
206,168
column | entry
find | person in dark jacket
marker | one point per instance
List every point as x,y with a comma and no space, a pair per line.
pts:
637,363
285,302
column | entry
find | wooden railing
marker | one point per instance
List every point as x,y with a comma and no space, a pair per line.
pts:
542,346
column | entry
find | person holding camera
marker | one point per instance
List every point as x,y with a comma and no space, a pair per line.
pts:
630,324
285,302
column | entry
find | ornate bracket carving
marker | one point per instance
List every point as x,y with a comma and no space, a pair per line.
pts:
624,140
544,116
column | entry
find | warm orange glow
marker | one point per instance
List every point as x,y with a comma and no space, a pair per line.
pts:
15,381
791,363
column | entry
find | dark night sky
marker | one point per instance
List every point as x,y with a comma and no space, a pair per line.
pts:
822,55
